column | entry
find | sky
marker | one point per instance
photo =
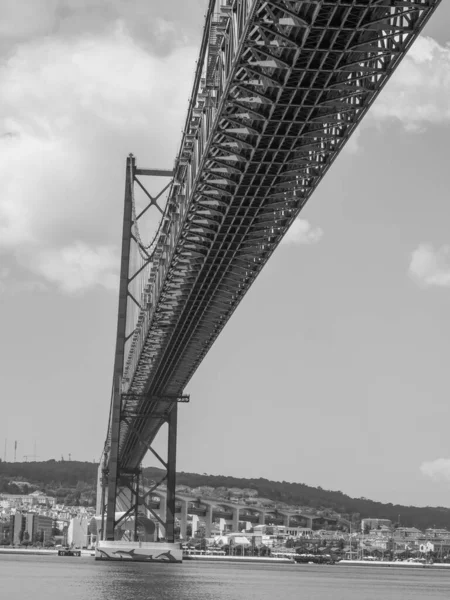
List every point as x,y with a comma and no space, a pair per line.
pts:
333,371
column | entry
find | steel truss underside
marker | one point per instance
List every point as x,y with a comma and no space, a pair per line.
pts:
282,103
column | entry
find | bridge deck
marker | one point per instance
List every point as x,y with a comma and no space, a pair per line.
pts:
281,86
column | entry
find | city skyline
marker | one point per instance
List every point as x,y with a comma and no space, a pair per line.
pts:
332,370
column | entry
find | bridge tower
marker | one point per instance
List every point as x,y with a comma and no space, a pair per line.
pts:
120,495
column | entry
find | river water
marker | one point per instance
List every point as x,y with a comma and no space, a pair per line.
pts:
58,578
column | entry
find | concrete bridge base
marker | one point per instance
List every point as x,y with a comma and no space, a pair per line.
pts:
161,552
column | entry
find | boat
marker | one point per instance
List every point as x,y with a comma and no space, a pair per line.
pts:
218,556
314,559
68,552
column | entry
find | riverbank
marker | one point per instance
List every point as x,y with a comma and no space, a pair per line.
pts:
30,551
396,564
39,551
238,559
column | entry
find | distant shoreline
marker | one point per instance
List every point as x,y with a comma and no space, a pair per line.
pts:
394,564
37,551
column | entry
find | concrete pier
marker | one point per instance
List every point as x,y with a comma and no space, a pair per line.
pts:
161,552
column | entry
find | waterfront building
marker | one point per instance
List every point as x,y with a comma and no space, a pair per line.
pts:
327,535
5,532
29,531
441,546
42,499
32,527
77,532
299,532
437,533
382,532
324,522
18,524
18,500
378,543
410,533
369,524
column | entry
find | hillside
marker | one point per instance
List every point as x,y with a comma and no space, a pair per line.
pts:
302,495
75,481
72,483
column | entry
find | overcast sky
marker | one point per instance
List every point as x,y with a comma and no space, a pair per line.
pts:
334,371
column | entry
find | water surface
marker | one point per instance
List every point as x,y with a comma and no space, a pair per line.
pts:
59,578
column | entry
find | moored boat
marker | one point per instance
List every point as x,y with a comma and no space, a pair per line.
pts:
68,552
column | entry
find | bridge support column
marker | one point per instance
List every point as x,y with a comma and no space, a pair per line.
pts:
162,516
194,524
286,520
235,519
208,520
183,519
262,518
113,450
113,467
171,473
136,509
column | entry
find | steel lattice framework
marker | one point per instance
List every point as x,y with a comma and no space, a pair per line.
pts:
279,89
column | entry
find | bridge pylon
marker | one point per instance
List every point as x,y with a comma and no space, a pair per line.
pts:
121,494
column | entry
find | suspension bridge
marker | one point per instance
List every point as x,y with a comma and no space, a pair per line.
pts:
280,87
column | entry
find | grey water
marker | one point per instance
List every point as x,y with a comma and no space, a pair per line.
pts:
58,578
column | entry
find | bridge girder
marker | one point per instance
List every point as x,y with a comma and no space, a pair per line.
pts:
280,87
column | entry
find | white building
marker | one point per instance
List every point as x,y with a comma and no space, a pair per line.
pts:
438,546
77,533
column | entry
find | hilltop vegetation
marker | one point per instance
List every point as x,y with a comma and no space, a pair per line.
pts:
302,495
75,483
72,483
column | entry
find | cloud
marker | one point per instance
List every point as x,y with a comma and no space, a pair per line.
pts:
301,232
25,18
430,267
78,267
159,29
438,469
11,285
353,144
71,110
418,94
4,272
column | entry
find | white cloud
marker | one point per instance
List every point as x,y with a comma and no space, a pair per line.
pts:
78,267
353,144
301,232
430,267
438,469
71,110
418,94
21,19
4,272
11,285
